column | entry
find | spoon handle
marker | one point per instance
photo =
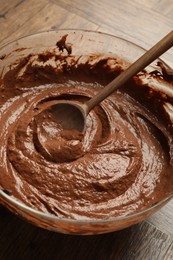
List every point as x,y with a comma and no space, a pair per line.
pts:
158,49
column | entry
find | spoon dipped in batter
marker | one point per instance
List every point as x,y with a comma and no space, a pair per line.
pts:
73,115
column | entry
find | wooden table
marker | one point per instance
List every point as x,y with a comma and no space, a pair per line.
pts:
141,21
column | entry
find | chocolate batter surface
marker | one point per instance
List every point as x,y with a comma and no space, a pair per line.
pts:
118,166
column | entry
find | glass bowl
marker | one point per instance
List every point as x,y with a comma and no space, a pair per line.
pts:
83,43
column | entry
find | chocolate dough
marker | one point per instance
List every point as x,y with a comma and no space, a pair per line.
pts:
118,166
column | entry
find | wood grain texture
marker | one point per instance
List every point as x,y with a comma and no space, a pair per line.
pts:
18,15
20,240
163,219
44,16
141,21
6,6
163,7
134,22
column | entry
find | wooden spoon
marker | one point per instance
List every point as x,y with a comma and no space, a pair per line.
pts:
73,115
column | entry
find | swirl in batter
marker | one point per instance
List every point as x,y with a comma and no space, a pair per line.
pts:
118,166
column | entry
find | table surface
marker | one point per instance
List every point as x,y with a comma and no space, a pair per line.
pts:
141,21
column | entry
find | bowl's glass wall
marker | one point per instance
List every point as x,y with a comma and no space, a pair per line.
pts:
83,42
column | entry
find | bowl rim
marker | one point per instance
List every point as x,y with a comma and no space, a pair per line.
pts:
71,30
50,216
